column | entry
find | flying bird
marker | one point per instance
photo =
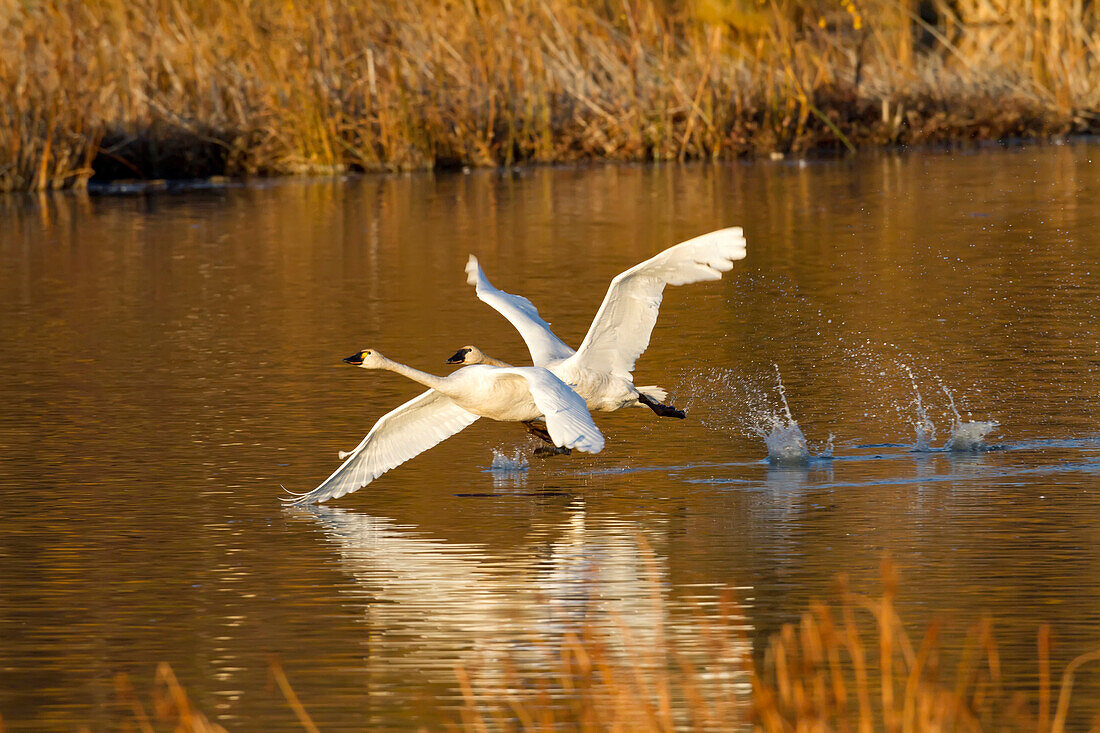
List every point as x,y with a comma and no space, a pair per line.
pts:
451,404
601,369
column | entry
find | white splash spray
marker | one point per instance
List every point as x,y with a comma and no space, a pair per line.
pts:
785,441
968,436
503,462
736,403
508,472
922,424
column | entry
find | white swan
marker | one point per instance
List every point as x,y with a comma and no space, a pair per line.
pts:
601,369
451,404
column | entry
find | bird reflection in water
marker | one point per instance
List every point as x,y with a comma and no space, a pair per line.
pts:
434,605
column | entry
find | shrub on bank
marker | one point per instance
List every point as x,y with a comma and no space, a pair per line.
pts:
190,88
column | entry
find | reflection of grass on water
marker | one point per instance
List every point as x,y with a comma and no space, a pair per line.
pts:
178,88
853,667
850,667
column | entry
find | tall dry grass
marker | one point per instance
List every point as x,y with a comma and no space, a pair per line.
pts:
849,667
159,88
172,708
852,666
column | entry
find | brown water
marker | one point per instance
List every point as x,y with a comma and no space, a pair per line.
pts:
170,360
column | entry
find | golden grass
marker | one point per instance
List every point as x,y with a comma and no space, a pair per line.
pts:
849,668
178,88
172,708
854,668
170,703
160,88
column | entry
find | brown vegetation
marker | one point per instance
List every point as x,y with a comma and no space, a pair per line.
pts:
172,707
180,88
853,667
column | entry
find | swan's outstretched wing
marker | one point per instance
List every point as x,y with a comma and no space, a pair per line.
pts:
567,418
399,435
521,313
621,329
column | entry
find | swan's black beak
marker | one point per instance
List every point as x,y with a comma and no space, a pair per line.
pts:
355,359
459,357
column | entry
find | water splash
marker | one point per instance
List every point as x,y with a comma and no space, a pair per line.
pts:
504,463
782,394
787,445
508,471
726,400
922,424
968,436
785,441
740,404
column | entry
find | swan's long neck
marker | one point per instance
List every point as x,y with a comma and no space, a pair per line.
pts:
486,359
428,380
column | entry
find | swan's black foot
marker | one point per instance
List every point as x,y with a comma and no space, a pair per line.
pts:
661,410
538,429
546,451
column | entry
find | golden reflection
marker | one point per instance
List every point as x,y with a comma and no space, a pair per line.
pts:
210,327
432,604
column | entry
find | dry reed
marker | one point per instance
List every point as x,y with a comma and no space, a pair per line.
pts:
173,709
854,668
180,88
170,703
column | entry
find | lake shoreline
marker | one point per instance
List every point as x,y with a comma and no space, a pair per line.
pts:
115,90
111,187
173,186
107,178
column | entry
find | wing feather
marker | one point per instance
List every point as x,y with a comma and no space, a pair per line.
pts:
567,418
620,332
401,434
521,313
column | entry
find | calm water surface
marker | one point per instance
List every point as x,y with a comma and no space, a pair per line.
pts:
170,360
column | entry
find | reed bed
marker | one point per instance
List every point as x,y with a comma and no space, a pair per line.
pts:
852,666
186,88
172,709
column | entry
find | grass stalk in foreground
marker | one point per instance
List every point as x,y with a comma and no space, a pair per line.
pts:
851,666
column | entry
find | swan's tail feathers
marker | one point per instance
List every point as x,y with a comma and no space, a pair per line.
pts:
657,394
474,276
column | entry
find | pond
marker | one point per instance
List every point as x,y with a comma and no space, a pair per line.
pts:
171,360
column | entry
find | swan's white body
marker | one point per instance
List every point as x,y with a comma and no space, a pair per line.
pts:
451,404
601,370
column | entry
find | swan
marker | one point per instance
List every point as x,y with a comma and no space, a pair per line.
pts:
600,370
470,355
451,404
